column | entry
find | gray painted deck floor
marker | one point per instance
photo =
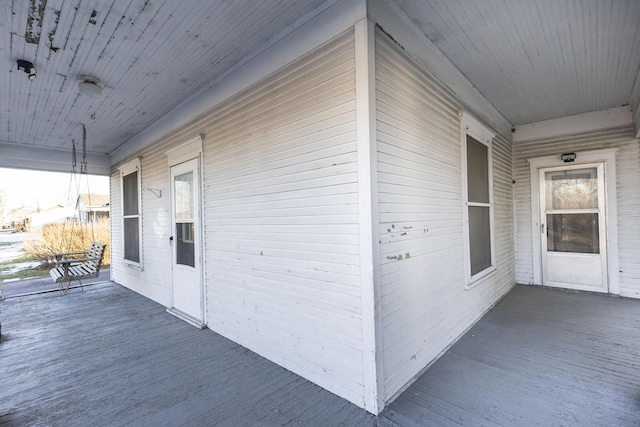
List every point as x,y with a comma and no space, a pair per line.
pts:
539,357
107,356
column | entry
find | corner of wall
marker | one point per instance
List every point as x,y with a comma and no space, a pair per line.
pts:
368,207
404,32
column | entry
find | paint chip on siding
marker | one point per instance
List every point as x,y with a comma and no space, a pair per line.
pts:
399,257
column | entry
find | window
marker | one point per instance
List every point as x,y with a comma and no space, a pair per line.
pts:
131,213
478,199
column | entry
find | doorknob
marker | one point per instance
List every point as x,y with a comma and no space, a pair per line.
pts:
170,240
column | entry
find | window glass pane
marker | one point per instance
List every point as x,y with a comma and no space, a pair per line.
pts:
477,171
185,249
573,233
130,196
183,195
479,238
572,189
132,239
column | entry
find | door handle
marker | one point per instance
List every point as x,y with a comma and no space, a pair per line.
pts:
170,240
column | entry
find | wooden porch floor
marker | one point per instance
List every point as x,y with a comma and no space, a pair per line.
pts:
540,357
107,356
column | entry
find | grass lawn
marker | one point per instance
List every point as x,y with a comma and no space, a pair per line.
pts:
6,268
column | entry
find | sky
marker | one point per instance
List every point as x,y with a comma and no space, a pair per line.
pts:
28,188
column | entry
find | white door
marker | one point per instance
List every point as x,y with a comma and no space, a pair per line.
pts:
185,242
573,232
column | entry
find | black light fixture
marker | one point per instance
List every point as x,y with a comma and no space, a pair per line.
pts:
28,68
568,157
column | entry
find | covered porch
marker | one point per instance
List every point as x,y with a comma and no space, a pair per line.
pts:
110,356
328,147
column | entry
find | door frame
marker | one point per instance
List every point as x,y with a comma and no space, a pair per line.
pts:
189,150
608,158
602,226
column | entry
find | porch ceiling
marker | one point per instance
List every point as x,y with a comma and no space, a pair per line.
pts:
539,60
533,60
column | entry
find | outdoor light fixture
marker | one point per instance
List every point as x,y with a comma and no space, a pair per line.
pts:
568,157
28,68
90,88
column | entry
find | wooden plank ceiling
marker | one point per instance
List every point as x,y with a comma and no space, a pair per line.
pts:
533,60
148,55
536,60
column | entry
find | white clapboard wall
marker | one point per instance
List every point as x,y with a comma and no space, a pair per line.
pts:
425,306
280,219
628,197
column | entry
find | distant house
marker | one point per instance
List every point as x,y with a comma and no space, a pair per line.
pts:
27,218
18,218
55,214
91,207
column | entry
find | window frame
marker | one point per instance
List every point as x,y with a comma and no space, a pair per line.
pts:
472,127
125,170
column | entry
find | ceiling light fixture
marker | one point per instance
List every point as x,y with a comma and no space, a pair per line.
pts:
90,88
28,68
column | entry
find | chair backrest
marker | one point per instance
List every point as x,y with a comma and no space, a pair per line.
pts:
96,251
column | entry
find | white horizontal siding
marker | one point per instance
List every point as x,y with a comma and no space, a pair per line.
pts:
282,263
115,220
503,195
281,219
628,197
154,281
425,306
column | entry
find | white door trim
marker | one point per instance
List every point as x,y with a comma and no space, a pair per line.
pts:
608,157
190,150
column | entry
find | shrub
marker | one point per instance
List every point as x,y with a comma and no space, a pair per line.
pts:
68,237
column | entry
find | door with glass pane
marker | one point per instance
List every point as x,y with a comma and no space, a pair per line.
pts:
185,240
573,235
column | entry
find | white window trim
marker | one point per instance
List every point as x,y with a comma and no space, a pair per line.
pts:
469,125
126,169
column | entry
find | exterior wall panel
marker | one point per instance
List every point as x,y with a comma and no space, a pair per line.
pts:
154,280
281,218
425,306
281,251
